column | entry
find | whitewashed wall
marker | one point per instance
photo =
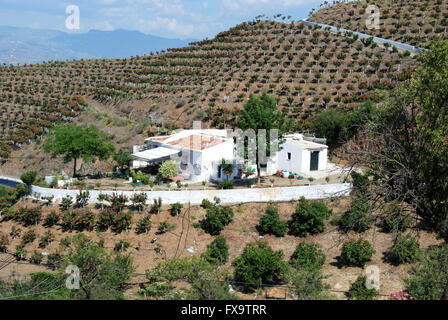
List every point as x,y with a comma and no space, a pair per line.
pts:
212,157
226,196
293,165
323,159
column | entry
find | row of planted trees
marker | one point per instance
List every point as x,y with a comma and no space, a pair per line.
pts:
302,273
115,79
412,22
75,216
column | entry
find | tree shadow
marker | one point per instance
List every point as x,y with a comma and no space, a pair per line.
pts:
338,263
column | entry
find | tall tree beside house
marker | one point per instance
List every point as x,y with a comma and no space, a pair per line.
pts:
408,159
260,113
123,159
74,142
28,178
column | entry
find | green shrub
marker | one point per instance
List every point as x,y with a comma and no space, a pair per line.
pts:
206,203
259,264
79,220
216,218
117,201
104,219
36,258
15,232
360,182
168,169
121,246
271,223
85,220
3,192
51,219
55,259
82,198
339,126
29,216
405,249
46,239
4,242
121,221
396,220
217,251
155,290
28,177
175,209
427,279
144,225
140,176
165,227
123,159
226,184
309,218
356,218
156,206
227,168
68,220
356,252
66,203
28,237
359,291
66,242
20,252
307,256
139,201
308,284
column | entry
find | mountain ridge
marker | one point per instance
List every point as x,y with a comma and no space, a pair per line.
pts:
20,45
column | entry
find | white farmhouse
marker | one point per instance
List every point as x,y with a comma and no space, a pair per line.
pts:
199,154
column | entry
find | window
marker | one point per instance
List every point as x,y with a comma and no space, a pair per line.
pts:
289,155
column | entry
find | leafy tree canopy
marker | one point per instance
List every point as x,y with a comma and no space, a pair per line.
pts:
123,159
406,147
73,142
259,264
428,279
260,113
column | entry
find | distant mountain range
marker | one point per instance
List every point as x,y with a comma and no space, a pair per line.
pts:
26,45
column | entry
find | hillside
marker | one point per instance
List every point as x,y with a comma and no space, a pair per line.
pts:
415,22
307,70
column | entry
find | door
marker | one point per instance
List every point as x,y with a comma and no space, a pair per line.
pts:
314,165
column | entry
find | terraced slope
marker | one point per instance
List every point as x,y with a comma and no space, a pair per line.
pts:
308,70
415,22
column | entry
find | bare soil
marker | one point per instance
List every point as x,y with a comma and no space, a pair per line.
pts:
238,234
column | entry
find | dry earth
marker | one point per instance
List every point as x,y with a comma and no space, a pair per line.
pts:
239,233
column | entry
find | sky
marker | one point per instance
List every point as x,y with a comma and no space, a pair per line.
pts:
181,19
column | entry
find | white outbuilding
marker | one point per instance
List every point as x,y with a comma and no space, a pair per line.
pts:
300,154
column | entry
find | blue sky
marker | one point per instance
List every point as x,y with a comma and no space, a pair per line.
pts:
195,19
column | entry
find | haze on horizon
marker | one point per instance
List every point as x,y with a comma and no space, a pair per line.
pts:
175,19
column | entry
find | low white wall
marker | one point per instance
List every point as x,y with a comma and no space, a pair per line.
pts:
227,196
